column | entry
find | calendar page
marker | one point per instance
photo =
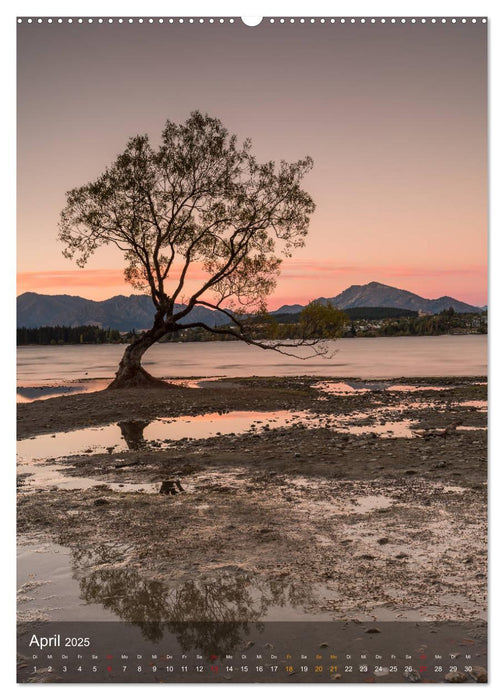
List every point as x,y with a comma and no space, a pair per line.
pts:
252,365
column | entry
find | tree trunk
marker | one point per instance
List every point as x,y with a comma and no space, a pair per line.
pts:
130,372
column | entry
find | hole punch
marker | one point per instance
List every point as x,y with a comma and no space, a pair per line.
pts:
251,21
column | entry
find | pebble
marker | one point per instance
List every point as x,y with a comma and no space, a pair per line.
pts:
455,677
382,672
100,502
479,674
413,676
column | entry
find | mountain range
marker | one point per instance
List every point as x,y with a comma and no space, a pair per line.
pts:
375,294
123,313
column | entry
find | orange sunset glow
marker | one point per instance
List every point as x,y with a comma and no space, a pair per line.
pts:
393,116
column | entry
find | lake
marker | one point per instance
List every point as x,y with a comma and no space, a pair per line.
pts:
425,356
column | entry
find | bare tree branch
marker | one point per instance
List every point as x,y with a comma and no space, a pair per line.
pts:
199,197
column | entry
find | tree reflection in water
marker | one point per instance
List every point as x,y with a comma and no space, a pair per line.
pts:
210,615
132,432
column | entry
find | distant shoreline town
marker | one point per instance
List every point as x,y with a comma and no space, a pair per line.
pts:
361,323
371,310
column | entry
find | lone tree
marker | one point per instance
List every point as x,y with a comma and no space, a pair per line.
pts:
198,201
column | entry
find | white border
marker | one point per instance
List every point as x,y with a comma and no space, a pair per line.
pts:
220,8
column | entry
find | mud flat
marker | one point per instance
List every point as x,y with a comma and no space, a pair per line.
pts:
256,499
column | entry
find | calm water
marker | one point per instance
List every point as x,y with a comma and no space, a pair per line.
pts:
426,356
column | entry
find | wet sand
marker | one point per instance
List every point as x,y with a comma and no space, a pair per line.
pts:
338,499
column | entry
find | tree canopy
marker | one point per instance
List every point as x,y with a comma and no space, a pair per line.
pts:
199,220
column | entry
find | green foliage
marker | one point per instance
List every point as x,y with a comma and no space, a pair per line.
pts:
316,321
319,320
62,335
447,321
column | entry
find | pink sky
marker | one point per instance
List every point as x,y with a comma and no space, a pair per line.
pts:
393,116
296,285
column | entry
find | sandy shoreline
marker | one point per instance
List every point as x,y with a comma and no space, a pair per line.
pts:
335,517
63,413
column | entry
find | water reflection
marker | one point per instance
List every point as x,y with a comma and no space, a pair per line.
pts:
25,394
198,427
172,428
213,615
132,433
29,392
463,355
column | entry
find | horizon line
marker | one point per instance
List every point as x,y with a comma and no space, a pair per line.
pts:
280,305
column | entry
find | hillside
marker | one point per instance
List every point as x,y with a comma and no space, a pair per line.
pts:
375,294
122,313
